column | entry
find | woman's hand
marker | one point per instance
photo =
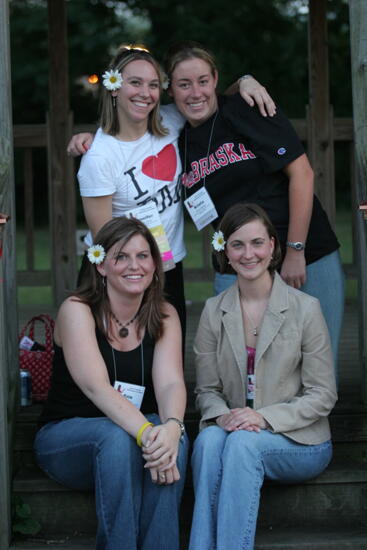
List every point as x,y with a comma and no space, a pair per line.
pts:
253,92
242,419
160,446
293,270
166,477
79,144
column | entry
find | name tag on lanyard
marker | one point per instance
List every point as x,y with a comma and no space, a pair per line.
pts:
132,392
201,208
149,215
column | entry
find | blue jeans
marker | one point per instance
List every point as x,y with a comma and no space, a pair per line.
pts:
228,472
325,281
96,454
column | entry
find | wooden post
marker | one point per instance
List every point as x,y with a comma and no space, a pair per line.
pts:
320,114
9,373
61,181
358,37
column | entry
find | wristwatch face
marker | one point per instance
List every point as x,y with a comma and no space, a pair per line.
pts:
296,245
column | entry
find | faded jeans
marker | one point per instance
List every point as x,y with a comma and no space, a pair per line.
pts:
228,472
96,454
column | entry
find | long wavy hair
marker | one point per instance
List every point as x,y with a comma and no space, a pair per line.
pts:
92,290
238,215
108,113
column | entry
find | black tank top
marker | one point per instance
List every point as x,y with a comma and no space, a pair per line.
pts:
65,398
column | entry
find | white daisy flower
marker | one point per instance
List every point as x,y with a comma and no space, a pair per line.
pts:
96,254
112,80
218,241
165,81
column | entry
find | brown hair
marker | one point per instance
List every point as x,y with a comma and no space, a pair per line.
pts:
108,118
93,292
238,215
188,49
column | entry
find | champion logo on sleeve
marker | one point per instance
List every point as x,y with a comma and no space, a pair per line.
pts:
281,151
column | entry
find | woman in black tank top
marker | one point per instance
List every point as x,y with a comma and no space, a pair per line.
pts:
112,422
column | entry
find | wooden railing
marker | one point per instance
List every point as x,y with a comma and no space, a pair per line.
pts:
30,137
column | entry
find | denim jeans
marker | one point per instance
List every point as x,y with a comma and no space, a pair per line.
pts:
325,281
228,472
96,454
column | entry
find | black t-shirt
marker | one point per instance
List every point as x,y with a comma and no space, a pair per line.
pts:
239,155
66,399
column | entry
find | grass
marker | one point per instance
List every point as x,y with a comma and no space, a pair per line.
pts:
195,291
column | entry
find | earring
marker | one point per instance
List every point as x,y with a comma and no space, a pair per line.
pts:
114,102
103,281
229,263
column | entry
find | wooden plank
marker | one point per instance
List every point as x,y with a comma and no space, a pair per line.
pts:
61,179
320,145
34,278
358,37
9,374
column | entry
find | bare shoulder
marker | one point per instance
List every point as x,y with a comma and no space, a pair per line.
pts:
73,315
169,310
171,322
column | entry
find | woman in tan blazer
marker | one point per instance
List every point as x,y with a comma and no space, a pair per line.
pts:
265,385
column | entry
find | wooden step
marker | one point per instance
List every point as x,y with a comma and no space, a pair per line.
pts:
335,498
274,539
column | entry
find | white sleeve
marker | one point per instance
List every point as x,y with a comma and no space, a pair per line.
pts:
96,176
172,117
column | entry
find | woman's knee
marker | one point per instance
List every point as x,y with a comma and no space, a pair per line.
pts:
210,441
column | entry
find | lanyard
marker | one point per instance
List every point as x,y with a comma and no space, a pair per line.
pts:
141,360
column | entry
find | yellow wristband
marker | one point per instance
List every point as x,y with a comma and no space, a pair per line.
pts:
141,431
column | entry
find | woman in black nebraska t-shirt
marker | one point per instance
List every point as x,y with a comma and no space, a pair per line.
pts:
238,155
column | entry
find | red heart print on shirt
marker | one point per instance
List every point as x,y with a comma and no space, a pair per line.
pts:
162,166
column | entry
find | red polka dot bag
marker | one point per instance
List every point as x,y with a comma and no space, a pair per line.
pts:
36,353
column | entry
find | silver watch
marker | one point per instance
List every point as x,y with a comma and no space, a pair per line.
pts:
181,424
245,77
296,245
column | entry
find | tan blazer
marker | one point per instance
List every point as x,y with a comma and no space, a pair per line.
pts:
295,382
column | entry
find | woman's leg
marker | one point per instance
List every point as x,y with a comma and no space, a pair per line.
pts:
247,458
87,453
222,281
175,294
325,281
207,473
160,507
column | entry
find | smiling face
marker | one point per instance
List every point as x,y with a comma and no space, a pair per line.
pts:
193,90
129,269
249,250
139,92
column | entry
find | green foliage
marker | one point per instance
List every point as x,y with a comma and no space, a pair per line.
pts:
266,38
23,523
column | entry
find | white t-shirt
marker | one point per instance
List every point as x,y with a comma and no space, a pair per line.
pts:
136,172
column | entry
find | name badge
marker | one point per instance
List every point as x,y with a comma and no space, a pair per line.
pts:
132,392
201,208
149,215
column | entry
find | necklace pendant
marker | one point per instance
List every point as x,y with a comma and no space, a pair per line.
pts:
124,332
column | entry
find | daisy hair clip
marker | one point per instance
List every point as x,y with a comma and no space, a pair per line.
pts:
96,254
218,241
165,82
112,80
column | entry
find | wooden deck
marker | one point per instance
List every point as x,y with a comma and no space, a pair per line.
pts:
349,368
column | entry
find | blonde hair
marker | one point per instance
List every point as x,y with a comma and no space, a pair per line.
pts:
108,118
188,49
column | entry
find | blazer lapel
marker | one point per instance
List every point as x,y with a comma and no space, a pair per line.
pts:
274,316
233,326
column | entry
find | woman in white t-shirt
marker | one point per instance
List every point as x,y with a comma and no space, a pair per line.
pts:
134,162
